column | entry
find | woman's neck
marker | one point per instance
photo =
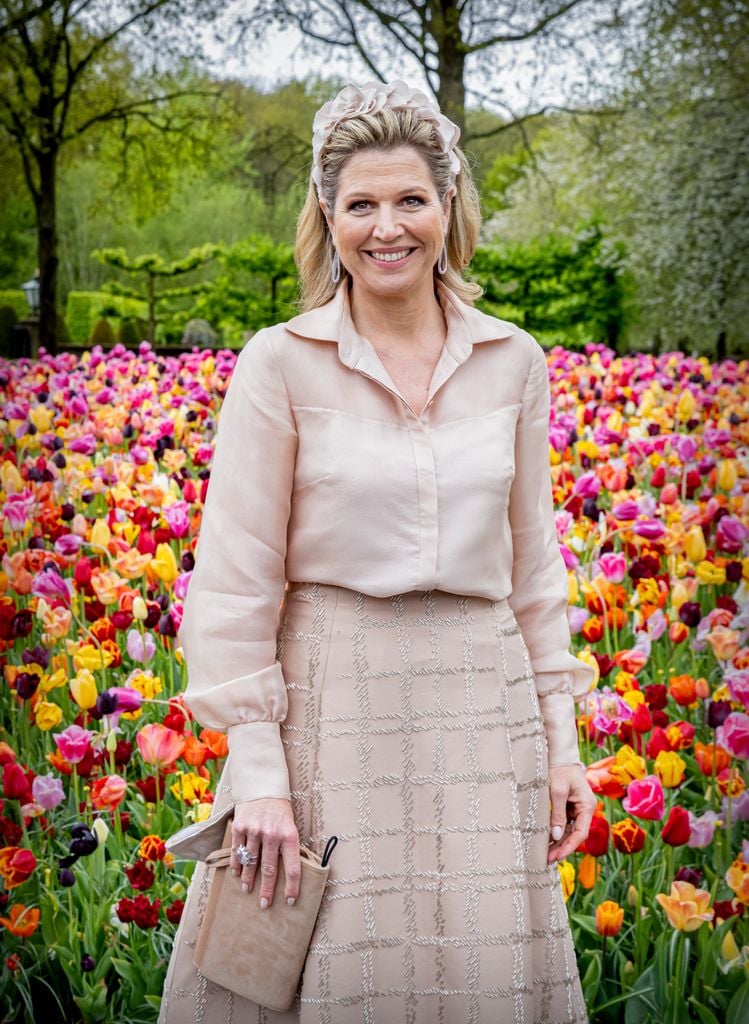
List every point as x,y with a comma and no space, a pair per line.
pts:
408,317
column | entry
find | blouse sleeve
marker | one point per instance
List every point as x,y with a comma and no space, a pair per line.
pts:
231,612
540,590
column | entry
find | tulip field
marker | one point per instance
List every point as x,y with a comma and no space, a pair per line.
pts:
104,466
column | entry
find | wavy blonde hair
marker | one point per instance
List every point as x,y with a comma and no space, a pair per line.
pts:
387,129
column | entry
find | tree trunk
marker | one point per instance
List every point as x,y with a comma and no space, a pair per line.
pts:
721,350
46,210
451,62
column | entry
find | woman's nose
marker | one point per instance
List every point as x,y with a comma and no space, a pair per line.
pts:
387,225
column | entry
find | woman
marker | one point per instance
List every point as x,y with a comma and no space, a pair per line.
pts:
378,610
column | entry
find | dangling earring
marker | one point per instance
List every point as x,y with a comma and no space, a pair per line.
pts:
442,262
336,271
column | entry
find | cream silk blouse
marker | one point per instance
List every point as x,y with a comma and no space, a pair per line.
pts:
322,472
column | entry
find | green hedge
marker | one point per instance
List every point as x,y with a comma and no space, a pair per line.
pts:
85,308
16,299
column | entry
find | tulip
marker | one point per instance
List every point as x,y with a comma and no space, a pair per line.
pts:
108,792
47,715
686,907
727,475
47,791
677,830
22,921
733,735
164,564
645,799
694,544
83,689
670,769
627,836
73,743
609,918
160,746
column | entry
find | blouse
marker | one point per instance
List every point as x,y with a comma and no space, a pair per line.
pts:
322,471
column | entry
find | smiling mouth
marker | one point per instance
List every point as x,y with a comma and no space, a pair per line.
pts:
390,257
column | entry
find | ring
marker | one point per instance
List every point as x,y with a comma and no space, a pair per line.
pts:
244,856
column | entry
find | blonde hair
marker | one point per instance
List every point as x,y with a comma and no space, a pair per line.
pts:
387,129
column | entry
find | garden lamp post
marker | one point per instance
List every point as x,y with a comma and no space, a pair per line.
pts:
26,331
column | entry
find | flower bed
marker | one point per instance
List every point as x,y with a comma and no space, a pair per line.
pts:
104,468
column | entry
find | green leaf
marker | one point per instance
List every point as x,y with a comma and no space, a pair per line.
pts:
705,1015
640,1008
738,1008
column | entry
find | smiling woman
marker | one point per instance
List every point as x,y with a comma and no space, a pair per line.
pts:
378,612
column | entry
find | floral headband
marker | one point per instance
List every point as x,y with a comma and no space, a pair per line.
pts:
353,101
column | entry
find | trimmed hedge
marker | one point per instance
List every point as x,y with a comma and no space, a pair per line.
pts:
85,308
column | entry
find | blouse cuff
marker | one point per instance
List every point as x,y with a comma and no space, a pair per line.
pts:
560,723
257,763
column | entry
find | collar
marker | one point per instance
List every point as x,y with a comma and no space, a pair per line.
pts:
466,325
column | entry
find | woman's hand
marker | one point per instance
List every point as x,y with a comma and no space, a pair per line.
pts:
572,805
266,827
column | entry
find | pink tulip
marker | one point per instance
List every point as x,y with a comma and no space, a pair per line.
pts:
47,791
644,798
613,565
73,743
18,510
738,686
731,534
159,745
733,735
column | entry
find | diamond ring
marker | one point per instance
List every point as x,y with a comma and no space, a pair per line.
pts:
244,856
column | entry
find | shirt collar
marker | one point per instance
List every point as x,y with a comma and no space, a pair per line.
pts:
466,325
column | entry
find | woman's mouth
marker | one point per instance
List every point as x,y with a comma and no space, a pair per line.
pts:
397,257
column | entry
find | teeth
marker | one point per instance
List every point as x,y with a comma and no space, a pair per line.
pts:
390,257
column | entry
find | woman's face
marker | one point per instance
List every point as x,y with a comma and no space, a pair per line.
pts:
388,224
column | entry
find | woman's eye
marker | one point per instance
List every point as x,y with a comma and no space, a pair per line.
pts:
413,199
358,203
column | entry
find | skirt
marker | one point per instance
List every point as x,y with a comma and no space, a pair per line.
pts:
414,734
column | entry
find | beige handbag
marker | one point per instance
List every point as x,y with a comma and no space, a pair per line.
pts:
259,954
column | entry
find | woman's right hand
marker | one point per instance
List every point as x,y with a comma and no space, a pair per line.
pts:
266,827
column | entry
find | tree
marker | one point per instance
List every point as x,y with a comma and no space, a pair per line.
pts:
442,36
54,88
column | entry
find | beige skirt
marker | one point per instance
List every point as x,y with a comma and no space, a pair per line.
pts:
414,735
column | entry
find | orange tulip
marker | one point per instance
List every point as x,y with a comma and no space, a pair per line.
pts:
23,921
108,792
707,753
677,632
159,745
196,753
683,689
588,871
686,907
609,918
217,742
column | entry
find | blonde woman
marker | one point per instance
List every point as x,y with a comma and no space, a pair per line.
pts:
378,610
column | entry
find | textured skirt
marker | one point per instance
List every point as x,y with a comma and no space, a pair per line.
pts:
413,734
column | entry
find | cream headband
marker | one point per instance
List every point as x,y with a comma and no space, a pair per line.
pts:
354,100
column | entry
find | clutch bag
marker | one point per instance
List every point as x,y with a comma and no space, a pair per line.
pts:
258,954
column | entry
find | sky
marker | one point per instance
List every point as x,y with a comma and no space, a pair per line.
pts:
525,76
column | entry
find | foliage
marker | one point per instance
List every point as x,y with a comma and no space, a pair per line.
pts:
16,299
84,308
102,334
565,289
128,334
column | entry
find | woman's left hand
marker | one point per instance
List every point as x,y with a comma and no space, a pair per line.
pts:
572,805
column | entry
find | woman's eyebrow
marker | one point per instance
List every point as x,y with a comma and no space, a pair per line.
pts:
368,195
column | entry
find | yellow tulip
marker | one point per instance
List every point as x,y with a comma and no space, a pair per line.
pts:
567,876
11,480
686,907
41,417
202,812
190,787
47,715
100,533
707,572
686,405
727,475
694,543
148,684
164,564
140,610
728,948
83,688
53,680
90,657
669,768
629,765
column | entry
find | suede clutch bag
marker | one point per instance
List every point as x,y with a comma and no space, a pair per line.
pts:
258,954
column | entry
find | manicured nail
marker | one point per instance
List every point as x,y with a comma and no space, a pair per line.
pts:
263,903
245,887
556,832
291,900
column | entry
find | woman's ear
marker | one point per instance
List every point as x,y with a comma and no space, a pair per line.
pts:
447,203
326,215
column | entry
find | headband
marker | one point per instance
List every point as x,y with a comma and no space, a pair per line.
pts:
354,101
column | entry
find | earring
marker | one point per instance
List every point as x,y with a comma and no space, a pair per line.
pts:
442,262
336,271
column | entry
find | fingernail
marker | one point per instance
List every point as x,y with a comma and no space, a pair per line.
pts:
263,903
291,900
245,887
556,832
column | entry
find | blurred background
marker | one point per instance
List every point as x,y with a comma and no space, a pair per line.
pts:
155,156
